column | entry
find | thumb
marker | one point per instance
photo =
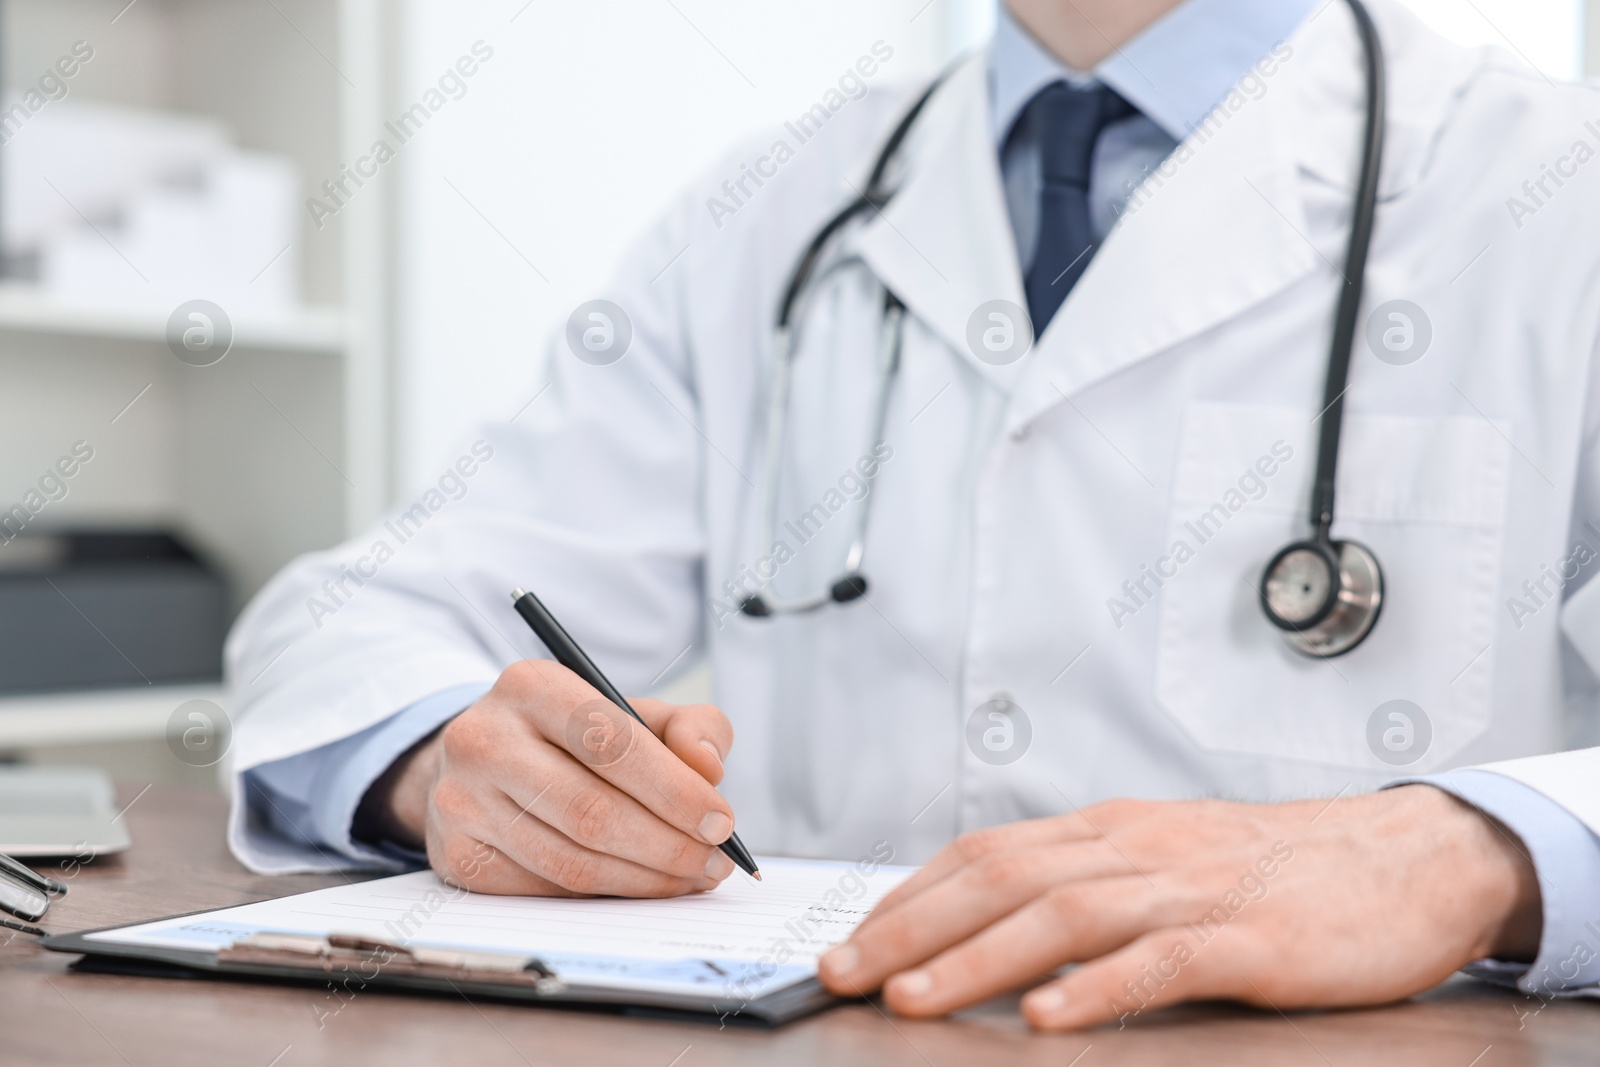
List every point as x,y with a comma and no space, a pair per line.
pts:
698,734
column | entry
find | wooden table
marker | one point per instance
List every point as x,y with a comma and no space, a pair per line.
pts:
52,1015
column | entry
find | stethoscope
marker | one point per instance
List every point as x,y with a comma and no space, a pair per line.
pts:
1325,595
851,583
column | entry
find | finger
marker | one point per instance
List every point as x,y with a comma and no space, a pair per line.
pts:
633,759
979,894
568,713
554,856
1069,923
592,812
974,846
545,852
473,864
508,753
463,858
698,734
1162,968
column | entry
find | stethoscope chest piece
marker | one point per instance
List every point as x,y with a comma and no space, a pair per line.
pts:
1324,595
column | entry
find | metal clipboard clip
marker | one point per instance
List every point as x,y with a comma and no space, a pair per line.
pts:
370,956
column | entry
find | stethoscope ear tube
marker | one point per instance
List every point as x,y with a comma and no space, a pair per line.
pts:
876,196
852,584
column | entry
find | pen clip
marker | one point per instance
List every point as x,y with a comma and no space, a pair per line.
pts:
24,928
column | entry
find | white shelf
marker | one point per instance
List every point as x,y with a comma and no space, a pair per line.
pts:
26,310
95,715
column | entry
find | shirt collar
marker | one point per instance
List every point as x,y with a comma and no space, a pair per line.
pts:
1175,71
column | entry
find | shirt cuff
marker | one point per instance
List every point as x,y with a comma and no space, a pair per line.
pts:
1566,859
312,797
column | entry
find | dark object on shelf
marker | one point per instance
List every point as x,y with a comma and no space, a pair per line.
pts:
91,610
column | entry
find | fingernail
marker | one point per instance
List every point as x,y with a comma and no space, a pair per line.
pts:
715,827
913,983
709,747
1045,1001
718,866
841,961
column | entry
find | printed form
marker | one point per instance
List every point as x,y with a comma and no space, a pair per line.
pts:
743,939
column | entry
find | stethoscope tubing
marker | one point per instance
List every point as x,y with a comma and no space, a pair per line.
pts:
877,194
1362,225
891,340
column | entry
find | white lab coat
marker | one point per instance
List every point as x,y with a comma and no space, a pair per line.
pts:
1019,499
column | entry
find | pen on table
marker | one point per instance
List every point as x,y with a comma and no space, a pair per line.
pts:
569,655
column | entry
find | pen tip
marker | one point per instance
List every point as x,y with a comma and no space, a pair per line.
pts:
756,875
517,594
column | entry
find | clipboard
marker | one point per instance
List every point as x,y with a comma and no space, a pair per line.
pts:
350,964
242,943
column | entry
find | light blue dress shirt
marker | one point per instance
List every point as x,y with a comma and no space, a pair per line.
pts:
1175,72
312,798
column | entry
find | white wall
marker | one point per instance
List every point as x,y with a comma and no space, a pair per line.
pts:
590,116
568,141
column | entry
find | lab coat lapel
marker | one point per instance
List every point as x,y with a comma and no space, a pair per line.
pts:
1219,228
944,244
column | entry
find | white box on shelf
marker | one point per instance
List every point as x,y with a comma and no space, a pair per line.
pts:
77,160
143,713
119,205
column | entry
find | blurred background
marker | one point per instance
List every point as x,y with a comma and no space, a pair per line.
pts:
202,179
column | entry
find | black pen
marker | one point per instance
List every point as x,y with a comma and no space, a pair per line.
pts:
574,659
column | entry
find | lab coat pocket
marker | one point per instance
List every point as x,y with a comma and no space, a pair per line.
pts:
1426,495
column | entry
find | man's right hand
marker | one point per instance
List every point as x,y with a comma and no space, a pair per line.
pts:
545,788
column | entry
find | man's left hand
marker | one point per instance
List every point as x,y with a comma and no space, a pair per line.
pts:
1361,900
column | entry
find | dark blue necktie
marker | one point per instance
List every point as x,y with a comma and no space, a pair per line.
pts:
1064,122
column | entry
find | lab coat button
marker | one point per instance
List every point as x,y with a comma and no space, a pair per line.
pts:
1021,433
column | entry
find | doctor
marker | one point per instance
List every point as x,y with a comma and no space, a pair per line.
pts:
1056,599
